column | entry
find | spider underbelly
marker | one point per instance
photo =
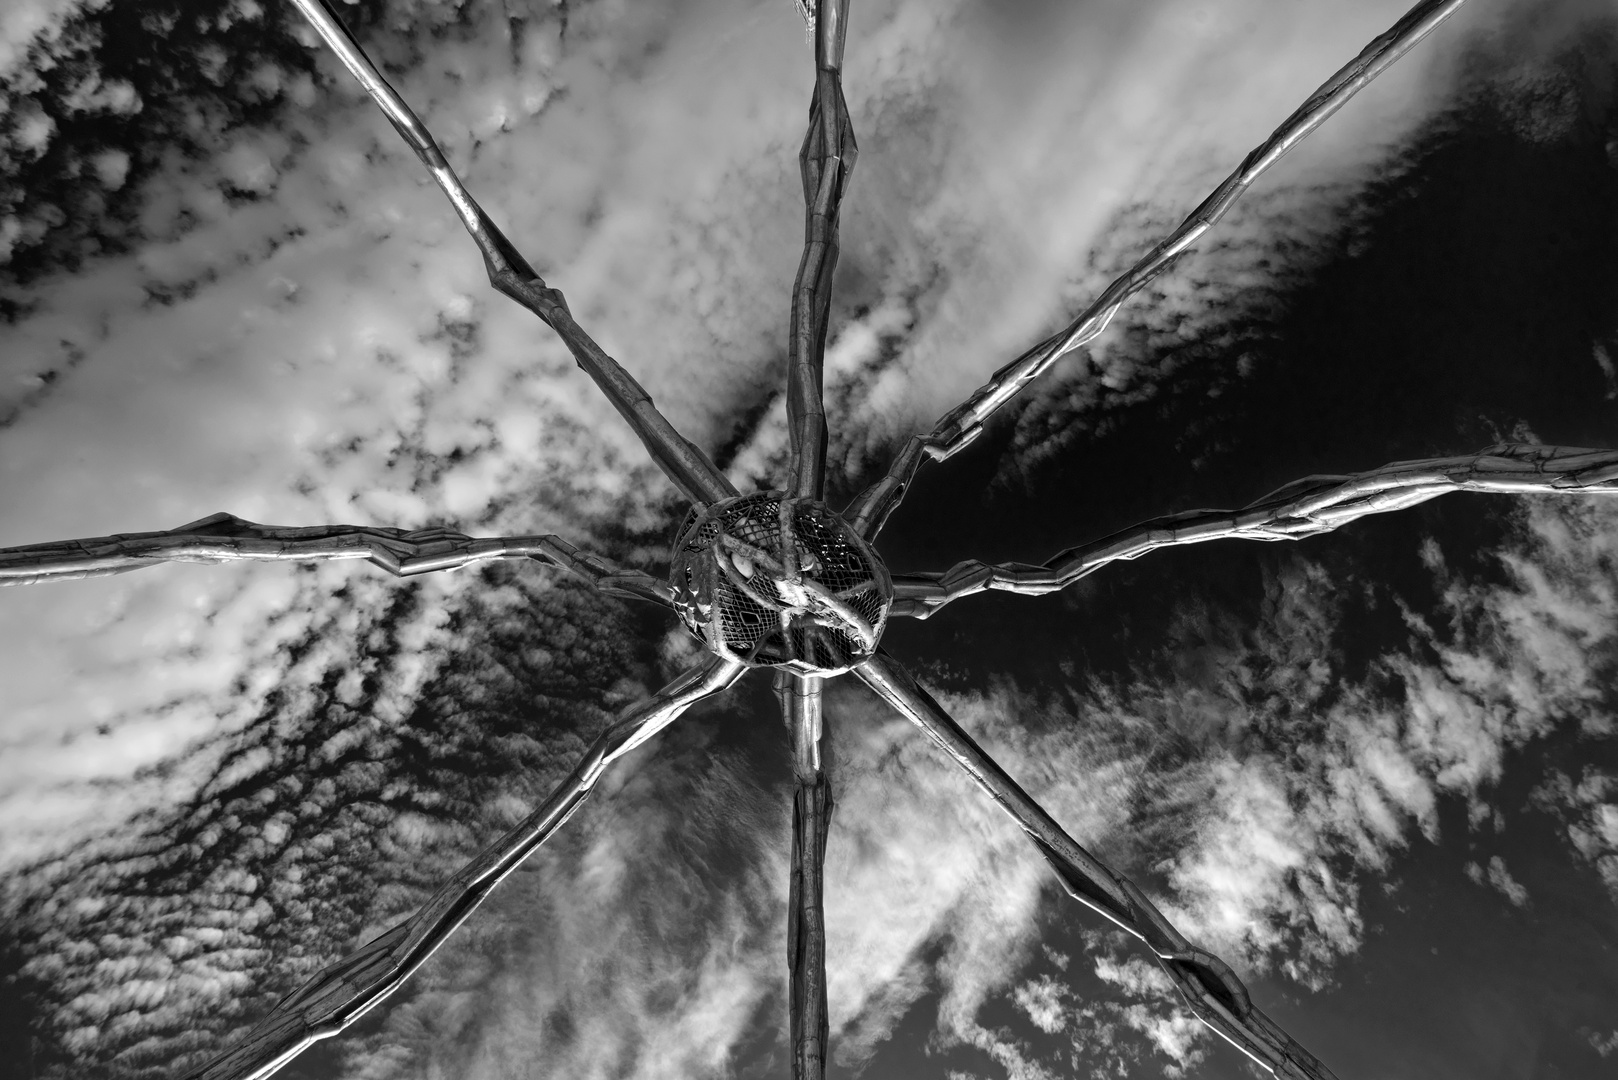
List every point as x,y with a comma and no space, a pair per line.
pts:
772,581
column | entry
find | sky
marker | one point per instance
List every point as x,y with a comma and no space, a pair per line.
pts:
1376,771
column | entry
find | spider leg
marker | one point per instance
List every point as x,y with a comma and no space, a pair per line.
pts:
683,462
806,920
826,160
870,509
1208,985
226,538
1307,507
346,990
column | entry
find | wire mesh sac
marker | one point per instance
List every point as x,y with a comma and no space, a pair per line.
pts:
772,581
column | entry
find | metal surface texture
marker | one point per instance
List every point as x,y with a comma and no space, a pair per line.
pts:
810,1026
777,579
826,160
1306,507
773,581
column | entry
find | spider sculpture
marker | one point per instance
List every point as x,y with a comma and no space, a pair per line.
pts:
779,580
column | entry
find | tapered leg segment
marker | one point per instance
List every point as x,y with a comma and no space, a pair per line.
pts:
351,987
1306,507
806,919
226,538
826,161
1207,984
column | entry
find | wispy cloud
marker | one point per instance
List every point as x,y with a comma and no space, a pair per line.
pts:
1500,879
1299,782
1367,762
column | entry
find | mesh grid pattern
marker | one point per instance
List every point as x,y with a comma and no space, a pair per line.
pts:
738,625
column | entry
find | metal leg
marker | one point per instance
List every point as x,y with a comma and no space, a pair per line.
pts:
964,423
351,987
225,538
1208,985
684,463
826,160
1307,507
806,920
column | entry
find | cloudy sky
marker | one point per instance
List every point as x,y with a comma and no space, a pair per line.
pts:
1377,771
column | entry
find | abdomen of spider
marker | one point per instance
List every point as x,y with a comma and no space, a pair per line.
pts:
773,581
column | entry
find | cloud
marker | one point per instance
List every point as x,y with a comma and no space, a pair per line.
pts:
1500,879
1298,781
1588,807
1041,1001
31,22
614,954
645,942
334,804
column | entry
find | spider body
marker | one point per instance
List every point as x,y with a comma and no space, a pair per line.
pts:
773,581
